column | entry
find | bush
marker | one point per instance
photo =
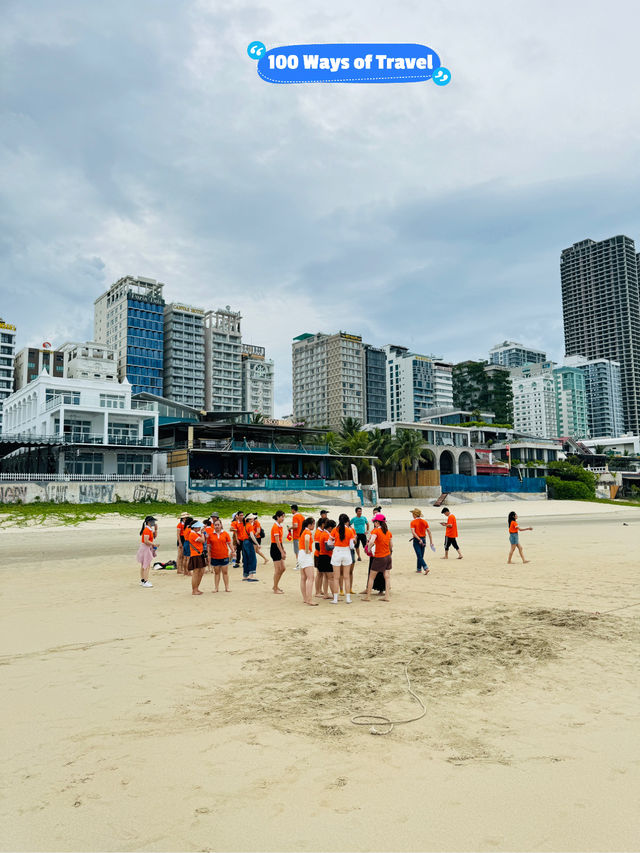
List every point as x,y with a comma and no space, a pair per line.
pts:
568,490
575,473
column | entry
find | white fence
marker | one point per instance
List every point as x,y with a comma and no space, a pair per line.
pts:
87,478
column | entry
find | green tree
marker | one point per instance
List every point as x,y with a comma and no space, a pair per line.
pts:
407,450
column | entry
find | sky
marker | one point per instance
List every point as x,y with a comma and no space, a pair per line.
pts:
137,138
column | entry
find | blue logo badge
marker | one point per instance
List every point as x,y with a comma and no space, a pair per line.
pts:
256,49
442,76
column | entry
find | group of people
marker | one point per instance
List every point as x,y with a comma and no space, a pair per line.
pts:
325,550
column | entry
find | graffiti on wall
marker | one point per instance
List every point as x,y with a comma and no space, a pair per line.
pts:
145,493
57,492
91,494
13,494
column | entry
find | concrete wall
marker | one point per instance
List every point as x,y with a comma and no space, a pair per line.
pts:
327,497
75,492
423,492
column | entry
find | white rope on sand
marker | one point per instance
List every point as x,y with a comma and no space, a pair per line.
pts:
371,719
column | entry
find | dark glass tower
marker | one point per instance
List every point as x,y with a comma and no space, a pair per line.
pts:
601,310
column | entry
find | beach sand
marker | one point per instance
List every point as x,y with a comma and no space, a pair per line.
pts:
150,719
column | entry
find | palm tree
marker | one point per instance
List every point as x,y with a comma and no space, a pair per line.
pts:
381,446
257,418
407,445
349,426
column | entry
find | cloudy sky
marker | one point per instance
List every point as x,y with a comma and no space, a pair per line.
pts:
137,138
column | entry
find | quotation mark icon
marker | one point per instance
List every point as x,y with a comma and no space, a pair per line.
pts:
442,76
256,49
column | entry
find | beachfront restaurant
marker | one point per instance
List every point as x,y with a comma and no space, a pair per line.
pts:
223,456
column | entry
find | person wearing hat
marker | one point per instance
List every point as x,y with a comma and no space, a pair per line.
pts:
380,542
244,532
194,534
180,560
145,551
419,532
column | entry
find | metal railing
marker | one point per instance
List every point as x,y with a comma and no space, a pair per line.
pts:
79,438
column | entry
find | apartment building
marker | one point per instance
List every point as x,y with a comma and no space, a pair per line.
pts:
130,318
184,355
223,360
7,361
257,381
512,354
415,384
603,388
601,311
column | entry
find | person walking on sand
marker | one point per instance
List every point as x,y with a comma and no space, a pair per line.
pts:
450,534
277,552
145,551
380,538
361,526
342,538
194,534
419,532
220,552
305,561
258,535
514,539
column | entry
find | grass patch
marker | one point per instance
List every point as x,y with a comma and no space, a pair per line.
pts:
42,512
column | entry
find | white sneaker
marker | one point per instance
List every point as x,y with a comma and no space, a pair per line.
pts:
146,583
348,599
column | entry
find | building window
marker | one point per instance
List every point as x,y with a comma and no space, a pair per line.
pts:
134,464
85,463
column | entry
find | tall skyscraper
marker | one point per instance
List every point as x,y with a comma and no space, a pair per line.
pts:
601,309
512,354
328,378
416,383
604,395
184,367
223,360
7,356
129,318
375,366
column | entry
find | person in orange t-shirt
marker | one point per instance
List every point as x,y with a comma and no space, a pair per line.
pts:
220,552
277,550
419,532
514,539
180,562
194,534
238,518
305,561
296,529
382,546
450,533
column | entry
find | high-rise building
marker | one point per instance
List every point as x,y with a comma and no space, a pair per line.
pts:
604,395
257,381
184,358
31,361
129,318
601,309
571,403
223,360
7,356
375,366
534,400
512,354
328,378
416,383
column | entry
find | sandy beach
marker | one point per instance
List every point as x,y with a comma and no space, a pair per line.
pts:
138,719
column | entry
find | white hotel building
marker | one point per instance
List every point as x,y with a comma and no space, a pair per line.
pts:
93,425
